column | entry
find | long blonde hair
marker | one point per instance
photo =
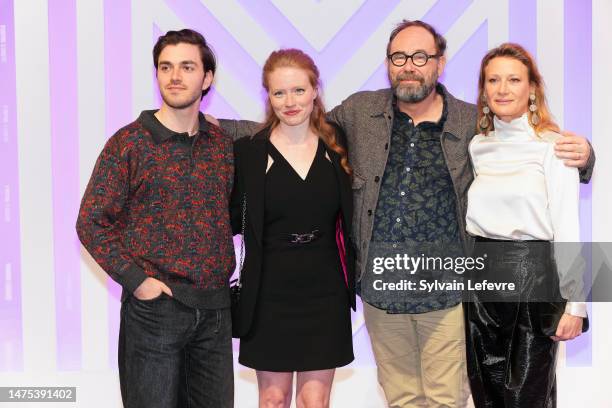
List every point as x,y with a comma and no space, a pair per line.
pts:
295,58
516,51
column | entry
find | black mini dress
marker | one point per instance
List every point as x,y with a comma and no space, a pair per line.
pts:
302,319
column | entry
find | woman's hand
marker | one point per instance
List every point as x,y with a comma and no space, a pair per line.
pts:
569,328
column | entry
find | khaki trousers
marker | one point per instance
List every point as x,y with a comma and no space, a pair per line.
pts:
420,357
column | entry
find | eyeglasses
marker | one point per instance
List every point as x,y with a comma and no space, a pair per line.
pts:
419,58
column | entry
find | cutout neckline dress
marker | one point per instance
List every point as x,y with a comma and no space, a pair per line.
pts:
302,319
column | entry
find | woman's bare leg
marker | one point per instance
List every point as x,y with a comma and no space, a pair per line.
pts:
275,389
314,388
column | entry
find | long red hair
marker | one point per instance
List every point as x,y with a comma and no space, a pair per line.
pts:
517,52
295,58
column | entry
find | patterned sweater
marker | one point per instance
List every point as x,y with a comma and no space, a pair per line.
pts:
157,206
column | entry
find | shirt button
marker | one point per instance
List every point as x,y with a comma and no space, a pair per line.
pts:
376,179
369,212
386,146
394,245
398,219
411,144
407,168
403,193
409,120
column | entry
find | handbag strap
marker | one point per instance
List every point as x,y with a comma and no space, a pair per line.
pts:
239,284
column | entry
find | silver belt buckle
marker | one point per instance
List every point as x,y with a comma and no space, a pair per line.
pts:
303,238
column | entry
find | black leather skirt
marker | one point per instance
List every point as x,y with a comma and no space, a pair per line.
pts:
511,358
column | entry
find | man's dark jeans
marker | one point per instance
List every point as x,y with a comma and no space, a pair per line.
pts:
171,355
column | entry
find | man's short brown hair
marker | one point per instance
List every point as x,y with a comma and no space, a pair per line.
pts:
439,40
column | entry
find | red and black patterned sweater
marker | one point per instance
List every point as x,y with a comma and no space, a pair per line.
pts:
157,205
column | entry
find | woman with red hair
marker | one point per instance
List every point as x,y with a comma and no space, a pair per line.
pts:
293,180
522,199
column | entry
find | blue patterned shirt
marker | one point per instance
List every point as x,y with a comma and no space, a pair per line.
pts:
416,203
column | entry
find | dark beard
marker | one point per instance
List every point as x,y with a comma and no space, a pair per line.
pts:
183,105
414,94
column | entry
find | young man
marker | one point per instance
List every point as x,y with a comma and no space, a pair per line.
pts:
155,217
408,146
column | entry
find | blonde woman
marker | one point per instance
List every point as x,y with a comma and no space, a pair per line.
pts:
523,197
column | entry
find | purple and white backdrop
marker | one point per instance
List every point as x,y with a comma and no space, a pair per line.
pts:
72,72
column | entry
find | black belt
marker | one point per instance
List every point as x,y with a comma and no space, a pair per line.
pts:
295,238
304,238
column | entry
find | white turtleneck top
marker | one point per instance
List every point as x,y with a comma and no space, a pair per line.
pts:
522,191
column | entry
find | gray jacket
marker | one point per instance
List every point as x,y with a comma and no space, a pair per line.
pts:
367,119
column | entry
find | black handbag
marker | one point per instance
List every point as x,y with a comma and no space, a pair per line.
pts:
236,284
